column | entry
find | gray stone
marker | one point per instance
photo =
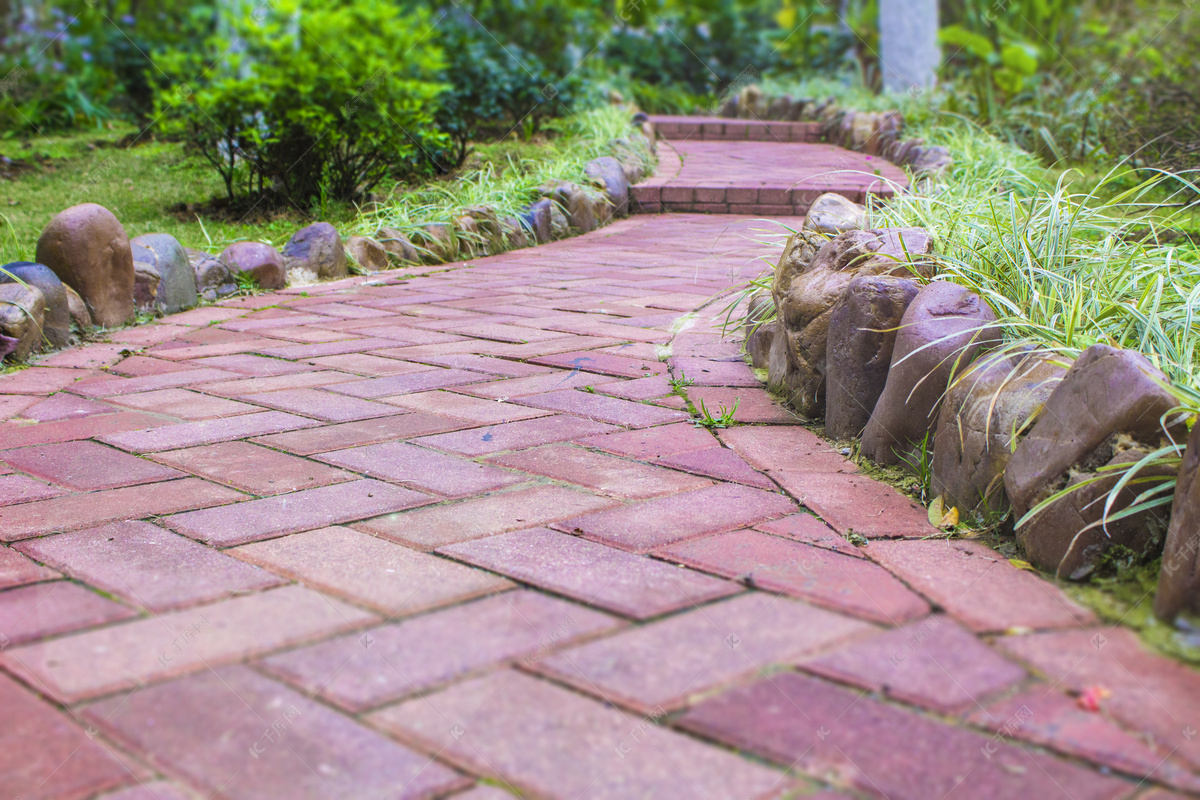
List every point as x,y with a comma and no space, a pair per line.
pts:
1179,580
575,202
1108,407
930,160
760,328
86,247
538,219
211,272
608,172
986,413
367,253
56,327
862,334
315,253
832,214
941,333
175,288
22,310
398,246
260,261
812,275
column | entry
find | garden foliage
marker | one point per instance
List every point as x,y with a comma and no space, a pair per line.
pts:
291,102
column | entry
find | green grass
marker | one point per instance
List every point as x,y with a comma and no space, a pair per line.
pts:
137,184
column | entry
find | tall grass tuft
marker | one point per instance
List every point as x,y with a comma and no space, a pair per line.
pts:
509,188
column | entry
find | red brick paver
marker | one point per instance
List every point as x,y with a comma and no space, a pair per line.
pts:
421,534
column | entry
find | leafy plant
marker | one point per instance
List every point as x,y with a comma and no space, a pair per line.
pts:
298,92
722,419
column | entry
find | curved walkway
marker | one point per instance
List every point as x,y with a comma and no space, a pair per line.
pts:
413,537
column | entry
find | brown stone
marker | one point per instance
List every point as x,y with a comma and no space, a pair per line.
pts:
437,241
1179,582
87,248
940,334
831,214
1107,410
984,416
398,246
80,316
259,261
315,253
812,275
367,253
22,313
862,334
514,234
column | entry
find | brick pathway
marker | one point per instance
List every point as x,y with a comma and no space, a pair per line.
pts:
454,535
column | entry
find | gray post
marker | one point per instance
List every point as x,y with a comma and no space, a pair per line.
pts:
908,47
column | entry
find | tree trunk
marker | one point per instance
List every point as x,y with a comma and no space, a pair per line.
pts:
908,47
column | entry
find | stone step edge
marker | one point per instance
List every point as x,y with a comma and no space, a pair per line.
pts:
725,130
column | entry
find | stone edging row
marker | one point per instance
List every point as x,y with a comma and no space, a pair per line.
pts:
89,274
863,337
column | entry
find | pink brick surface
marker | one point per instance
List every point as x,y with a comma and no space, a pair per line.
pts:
932,663
515,435
441,525
819,576
260,739
978,586
252,468
601,473
76,511
17,570
498,728
423,469
147,566
876,748
83,665
648,524
366,670
664,664
386,577
289,513
46,754
47,609
191,434
86,466
591,573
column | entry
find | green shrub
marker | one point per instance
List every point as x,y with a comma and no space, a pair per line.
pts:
495,88
307,99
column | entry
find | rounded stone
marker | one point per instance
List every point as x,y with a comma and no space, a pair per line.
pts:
367,253
941,333
314,253
56,323
398,246
22,312
175,289
87,248
832,214
259,261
